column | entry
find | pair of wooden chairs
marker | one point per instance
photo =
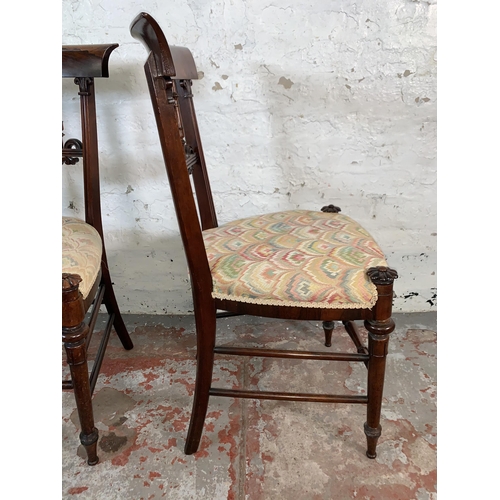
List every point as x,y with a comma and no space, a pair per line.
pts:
297,264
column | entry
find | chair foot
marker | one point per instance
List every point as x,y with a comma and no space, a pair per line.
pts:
200,405
199,412
328,327
192,445
372,436
89,442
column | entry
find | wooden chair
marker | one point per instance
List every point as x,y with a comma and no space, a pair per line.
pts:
298,264
86,282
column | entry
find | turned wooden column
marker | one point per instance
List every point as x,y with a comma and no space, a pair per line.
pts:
379,329
74,334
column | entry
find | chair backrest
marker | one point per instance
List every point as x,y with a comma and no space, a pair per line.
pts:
169,73
84,63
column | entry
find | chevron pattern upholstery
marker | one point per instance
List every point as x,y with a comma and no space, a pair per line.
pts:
298,258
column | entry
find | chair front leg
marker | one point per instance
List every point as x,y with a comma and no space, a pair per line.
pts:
379,330
378,341
74,333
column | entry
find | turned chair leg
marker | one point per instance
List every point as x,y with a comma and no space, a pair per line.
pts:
379,330
74,333
205,337
328,327
378,341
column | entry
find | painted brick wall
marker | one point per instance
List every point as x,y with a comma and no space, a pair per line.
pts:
300,104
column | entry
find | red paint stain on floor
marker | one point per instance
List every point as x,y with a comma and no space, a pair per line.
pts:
386,492
179,425
77,490
426,481
174,417
188,385
112,366
214,414
123,458
149,377
203,449
171,443
154,450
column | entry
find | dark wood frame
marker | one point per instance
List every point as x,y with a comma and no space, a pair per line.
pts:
84,63
169,73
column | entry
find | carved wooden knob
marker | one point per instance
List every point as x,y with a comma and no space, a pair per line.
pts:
331,209
382,275
70,281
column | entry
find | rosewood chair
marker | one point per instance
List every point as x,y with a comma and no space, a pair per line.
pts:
86,282
297,264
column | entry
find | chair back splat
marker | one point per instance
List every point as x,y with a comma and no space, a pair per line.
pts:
296,264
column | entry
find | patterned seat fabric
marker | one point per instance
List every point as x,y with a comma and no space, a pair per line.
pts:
298,258
81,252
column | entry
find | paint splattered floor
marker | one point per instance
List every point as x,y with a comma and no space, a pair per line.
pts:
255,449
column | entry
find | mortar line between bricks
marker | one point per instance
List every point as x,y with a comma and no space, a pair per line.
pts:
243,434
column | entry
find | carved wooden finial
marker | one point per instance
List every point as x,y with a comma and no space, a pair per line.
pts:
70,281
331,209
382,275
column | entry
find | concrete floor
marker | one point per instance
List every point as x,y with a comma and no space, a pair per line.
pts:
255,449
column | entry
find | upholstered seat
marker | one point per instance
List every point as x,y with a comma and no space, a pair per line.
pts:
294,258
81,252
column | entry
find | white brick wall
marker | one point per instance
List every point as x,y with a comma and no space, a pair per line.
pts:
299,106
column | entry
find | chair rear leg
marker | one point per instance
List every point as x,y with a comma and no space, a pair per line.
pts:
328,327
112,308
205,335
74,334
